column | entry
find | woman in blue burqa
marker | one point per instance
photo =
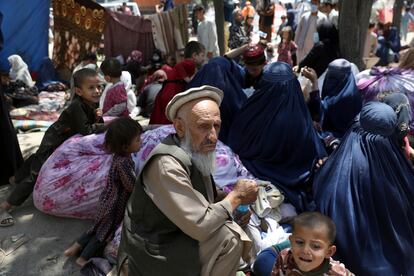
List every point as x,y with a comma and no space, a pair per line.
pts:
225,74
366,187
341,100
274,135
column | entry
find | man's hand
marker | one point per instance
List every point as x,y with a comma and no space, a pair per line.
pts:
246,190
309,73
159,76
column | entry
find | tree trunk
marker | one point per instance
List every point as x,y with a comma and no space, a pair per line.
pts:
353,25
219,16
396,13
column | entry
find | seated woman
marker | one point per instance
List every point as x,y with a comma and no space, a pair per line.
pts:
366,188
340,99
380,80
21,88
274,135
19,71
224,74
48,79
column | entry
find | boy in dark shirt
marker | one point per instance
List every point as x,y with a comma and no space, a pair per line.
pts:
81,117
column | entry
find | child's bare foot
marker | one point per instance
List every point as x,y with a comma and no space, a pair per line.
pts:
73,250
81,261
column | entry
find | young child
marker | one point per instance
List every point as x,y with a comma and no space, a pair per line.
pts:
286,47
313,235
80,117
115,98
177,79
121,139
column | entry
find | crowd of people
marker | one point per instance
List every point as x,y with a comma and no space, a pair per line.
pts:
270,160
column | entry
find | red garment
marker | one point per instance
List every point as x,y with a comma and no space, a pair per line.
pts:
116,95
175,84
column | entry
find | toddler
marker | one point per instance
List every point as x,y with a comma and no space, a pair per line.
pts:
115,98
313,235
287,47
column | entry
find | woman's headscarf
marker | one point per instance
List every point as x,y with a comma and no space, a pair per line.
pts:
401,105
19,70
341,100
274,135
126,79
366,187
387,81
225,75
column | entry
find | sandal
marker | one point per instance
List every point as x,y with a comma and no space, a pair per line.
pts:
6,219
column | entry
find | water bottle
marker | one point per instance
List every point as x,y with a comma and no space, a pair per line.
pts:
241,210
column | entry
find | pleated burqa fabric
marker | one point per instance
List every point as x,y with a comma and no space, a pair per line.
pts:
274,135
367,188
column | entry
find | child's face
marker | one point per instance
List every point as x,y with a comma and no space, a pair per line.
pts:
285,35
90,89
135,144
199,59
310,247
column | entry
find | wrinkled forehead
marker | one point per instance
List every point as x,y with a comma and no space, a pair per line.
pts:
202,109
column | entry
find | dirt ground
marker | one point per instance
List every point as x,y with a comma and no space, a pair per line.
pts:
34,244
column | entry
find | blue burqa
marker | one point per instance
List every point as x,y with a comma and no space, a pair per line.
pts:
274,136
341,100
366,187
226,75
47,74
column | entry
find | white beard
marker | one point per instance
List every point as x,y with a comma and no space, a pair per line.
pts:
205,163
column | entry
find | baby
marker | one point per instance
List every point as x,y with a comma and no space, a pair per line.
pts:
311,249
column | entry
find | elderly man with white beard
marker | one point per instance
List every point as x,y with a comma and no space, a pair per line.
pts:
174,224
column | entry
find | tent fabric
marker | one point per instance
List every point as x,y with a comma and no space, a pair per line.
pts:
125,33
78,28
25,31
170,29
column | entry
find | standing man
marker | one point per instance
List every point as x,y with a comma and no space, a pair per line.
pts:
206,32
328,8
266,10
306,34
174,222
238,35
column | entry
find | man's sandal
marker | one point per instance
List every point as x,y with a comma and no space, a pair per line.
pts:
6,219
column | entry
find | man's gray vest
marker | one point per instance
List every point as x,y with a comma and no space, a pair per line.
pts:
153,244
